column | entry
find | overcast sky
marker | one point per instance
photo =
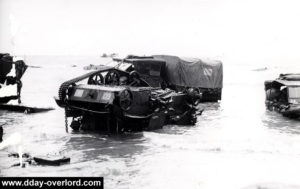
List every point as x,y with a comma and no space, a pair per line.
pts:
235,30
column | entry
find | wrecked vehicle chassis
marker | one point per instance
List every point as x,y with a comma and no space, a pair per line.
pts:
105,106
283,95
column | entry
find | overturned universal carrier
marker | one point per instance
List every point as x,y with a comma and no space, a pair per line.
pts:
283,94
140,93
10,78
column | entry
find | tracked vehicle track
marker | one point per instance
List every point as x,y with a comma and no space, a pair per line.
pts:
64,86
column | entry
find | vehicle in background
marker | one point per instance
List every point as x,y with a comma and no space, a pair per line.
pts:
283,94
11,73
204,77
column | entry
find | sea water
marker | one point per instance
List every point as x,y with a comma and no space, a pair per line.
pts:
236,142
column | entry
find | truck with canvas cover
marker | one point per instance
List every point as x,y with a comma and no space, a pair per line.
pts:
124,98
204,77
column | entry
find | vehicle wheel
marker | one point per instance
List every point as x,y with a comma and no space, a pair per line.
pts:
75,125
134,78
134,74
112,78
96,79
125,99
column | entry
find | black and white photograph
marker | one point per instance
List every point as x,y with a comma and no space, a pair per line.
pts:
149,94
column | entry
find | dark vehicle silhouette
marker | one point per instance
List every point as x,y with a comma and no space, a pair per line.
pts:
283,94
11,73
132,96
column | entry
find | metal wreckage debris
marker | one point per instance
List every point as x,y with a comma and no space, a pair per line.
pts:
283,95
11,73
140,93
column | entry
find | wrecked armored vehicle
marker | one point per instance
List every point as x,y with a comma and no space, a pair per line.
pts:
283,94
10,78
132,96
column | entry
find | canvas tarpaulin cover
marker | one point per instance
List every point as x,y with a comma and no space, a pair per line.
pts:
192,72
288,83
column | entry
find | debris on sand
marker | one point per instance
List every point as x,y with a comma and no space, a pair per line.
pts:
93,67
40,160
16,155
260,69
29,66
25,109
112,55
23,161
19,165
54,161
